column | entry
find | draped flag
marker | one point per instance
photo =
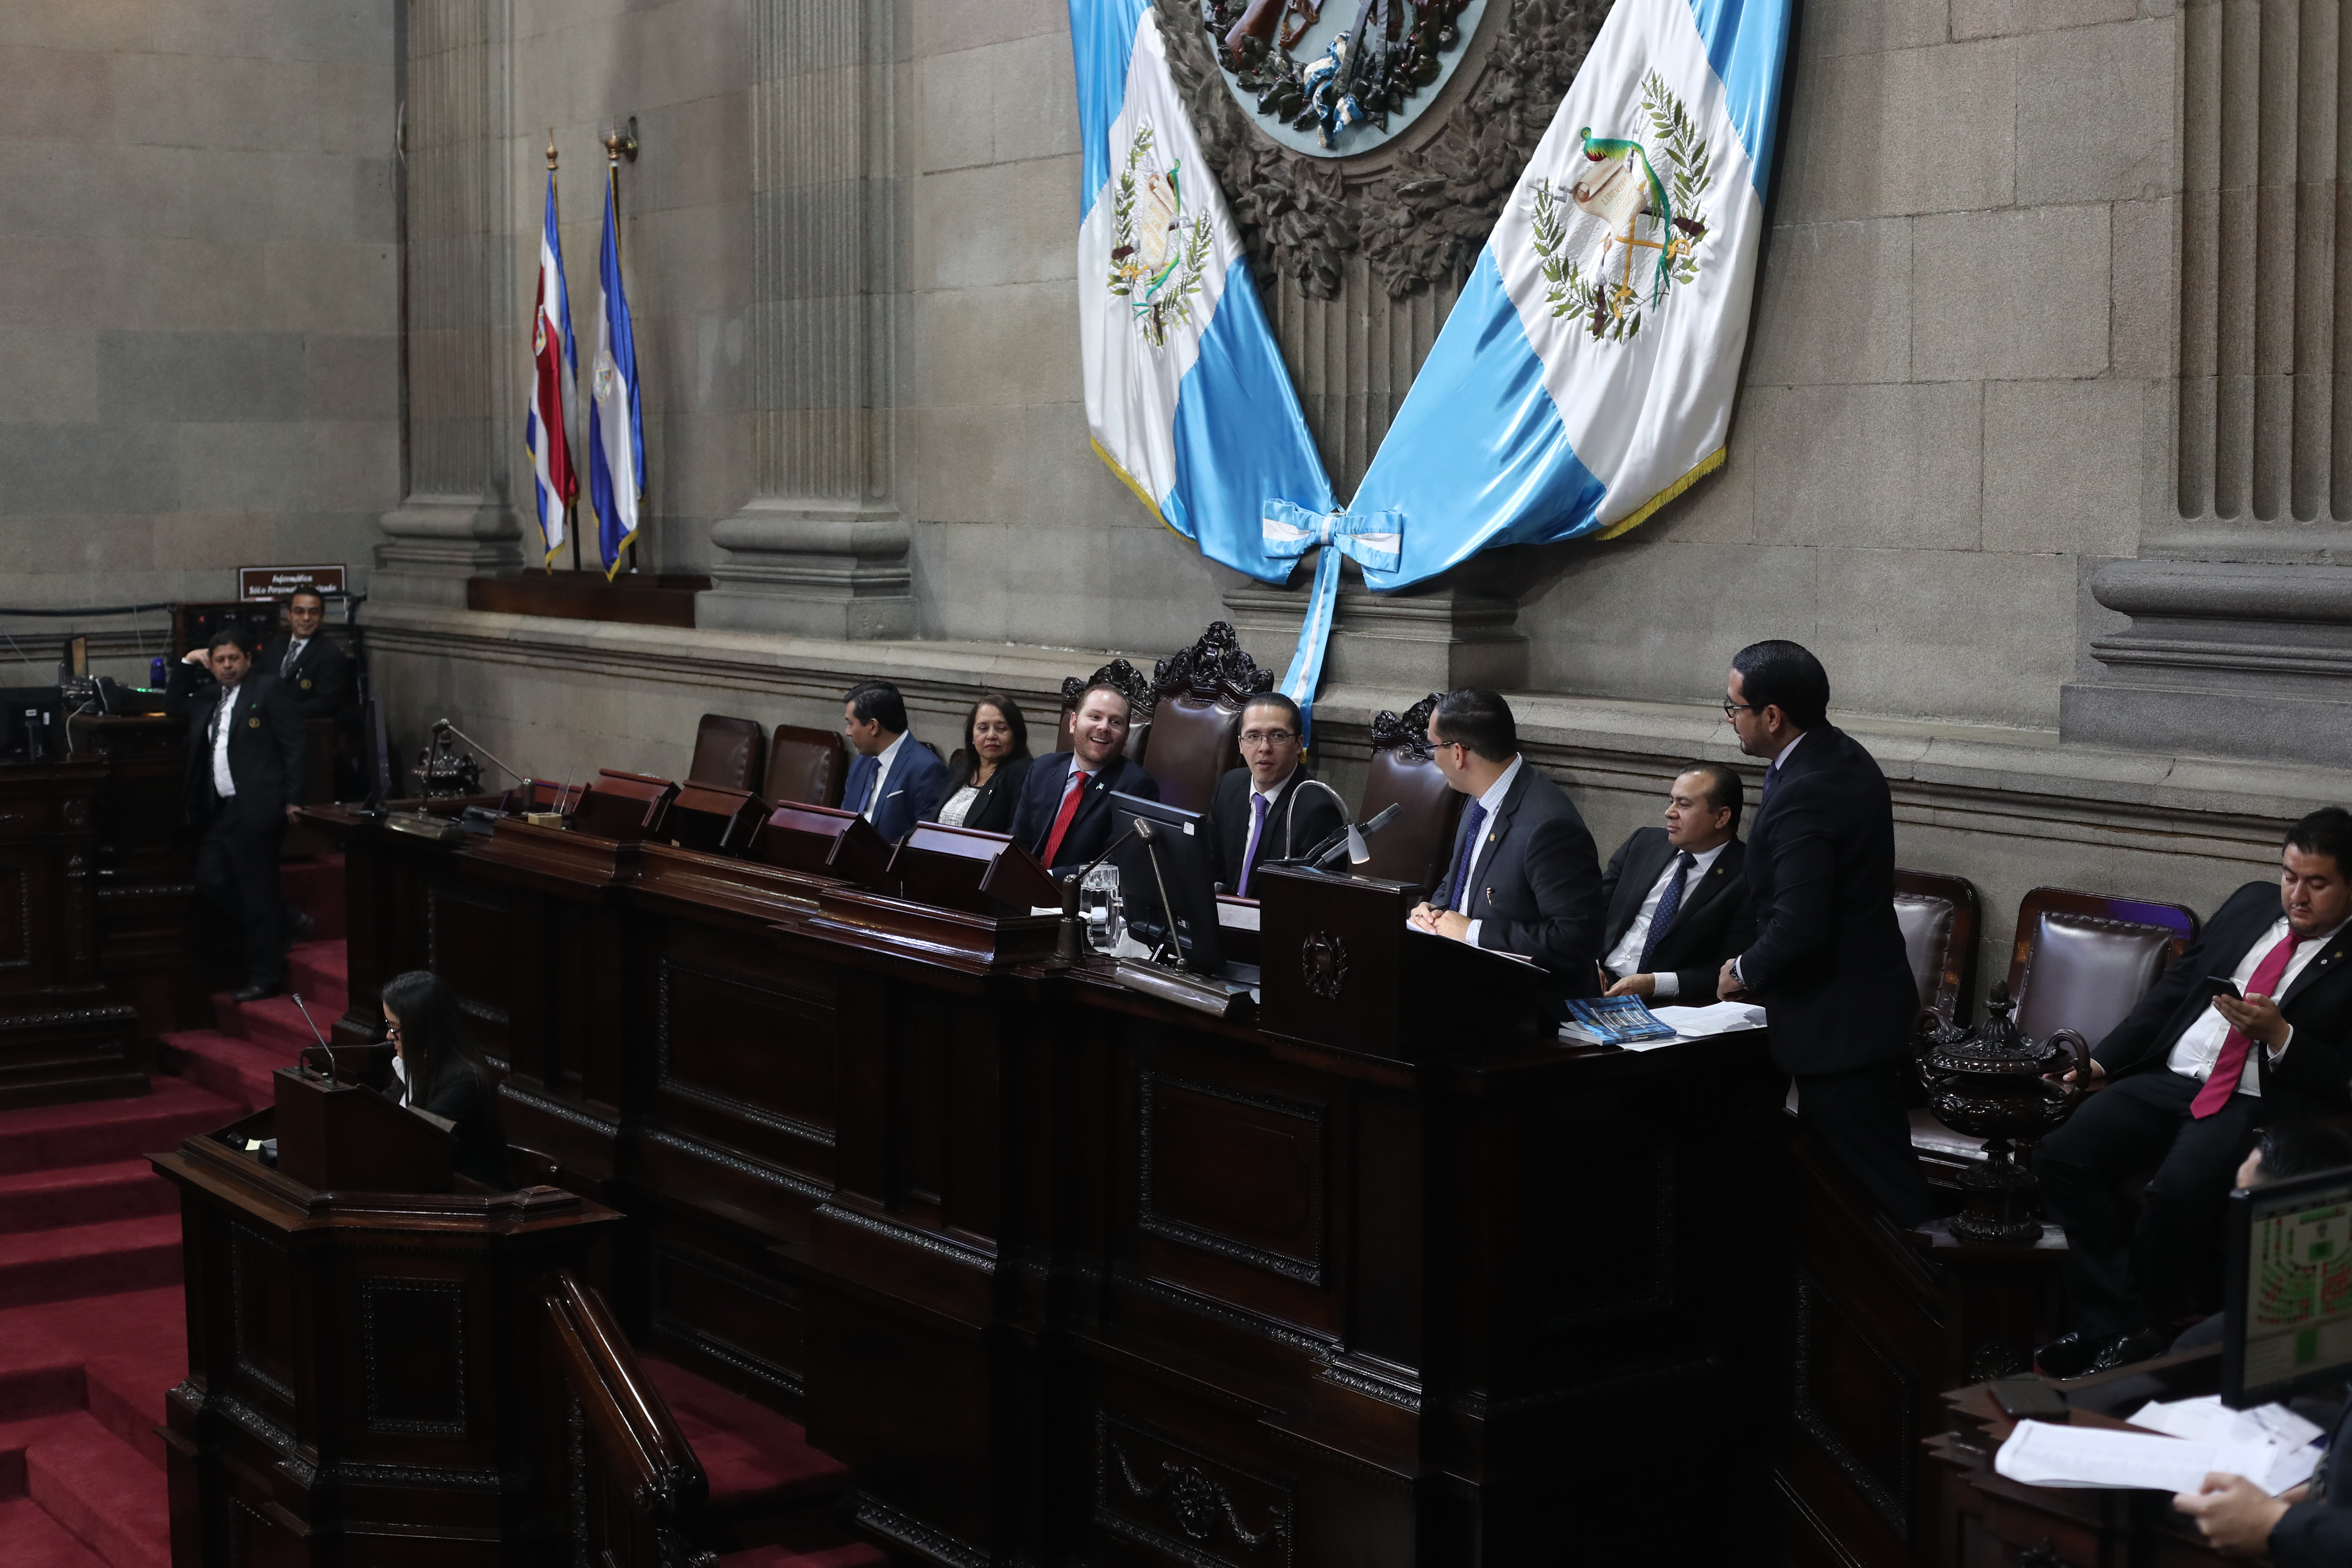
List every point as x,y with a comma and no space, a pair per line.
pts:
616,425
1585,376
547,428
1186,393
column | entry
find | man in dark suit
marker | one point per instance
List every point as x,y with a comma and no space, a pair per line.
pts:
897,780
315,673
1524,876
1065,814
245,776
1260,812
2191,1076
1677,895
1828,962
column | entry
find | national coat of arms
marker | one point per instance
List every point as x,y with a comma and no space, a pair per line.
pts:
1625,233
1159,250
1340,84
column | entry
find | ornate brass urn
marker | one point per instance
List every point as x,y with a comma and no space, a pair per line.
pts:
1994,1083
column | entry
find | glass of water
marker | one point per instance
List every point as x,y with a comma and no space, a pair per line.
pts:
1098,906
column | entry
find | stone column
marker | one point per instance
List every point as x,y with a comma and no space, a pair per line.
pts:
1407,644
457,519
822,549
2240,603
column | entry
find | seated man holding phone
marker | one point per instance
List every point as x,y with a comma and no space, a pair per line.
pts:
2248,1027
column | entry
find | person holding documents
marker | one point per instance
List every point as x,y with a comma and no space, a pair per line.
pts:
1525,878
1677,895
2309,1526
1828,963
2249,1025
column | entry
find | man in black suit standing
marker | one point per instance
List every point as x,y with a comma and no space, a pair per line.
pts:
1065,814
245,775
2250,1026
1828,963
1677,895
1524,876
314,672
1259,812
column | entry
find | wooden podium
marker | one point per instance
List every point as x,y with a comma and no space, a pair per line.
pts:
369,1376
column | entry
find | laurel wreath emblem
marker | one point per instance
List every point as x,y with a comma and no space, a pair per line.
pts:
1159,274
1612,308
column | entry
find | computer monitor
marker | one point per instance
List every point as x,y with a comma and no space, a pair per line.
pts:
32,723
2288,1311
1186,867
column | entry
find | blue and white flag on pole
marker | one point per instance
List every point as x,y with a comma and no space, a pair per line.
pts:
1186,393
616,424
1585,377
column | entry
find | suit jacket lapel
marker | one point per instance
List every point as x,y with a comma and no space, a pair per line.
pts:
1640,875
1703,891
2327,962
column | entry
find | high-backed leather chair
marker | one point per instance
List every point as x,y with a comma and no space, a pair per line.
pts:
1198,694
729,753
1939,917
2081,961
1413,847
806,766
1140,700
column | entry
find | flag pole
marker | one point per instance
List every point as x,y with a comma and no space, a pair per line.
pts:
571,502
616,144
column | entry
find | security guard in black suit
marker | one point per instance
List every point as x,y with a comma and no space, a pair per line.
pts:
245,775
1678,902
315,671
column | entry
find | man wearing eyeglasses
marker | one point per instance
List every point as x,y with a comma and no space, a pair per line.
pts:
1525,878
1260,811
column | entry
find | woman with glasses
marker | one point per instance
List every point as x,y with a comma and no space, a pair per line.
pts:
438,1070
1272,807
985,777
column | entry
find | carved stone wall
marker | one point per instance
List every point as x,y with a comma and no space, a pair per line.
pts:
822,548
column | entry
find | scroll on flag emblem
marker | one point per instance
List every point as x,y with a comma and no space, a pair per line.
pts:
547,428
616,428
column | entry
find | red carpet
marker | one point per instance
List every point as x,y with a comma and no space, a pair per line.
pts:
93,1329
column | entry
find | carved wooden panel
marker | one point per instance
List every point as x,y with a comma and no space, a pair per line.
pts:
1184,1504
412,1351
469,942
15,917
1233,1172
750,1324
261,1313
1854,1399
750,1063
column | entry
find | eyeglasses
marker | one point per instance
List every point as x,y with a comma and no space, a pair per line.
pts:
391,1031
1730,708
1267,737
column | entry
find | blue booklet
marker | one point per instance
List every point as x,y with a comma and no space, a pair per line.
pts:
1614,1020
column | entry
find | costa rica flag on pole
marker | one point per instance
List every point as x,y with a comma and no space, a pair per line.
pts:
547,430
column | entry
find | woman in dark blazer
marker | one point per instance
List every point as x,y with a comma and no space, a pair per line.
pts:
439,1071
985,777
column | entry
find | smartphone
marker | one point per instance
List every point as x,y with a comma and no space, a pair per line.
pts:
2030,1399
2222,985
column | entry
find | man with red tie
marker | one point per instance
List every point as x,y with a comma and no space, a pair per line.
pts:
1065,814
2249,1027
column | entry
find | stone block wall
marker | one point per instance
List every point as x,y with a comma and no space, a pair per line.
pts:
199,295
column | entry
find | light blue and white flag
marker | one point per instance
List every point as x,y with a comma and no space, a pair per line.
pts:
1186,393
1585,377
617,424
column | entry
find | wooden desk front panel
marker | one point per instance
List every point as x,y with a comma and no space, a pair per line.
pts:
62,1036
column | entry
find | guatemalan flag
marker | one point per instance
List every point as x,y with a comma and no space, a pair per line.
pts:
1186,393
1585,377
547,430
616,425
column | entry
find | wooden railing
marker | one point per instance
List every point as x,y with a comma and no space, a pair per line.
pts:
638,1490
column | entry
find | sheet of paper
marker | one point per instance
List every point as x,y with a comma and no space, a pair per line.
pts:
2040,1454
1715,1018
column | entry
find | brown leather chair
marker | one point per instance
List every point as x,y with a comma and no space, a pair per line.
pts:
1128,678
2081,961
1413,847
729,753
1198,696
806,766
1939,917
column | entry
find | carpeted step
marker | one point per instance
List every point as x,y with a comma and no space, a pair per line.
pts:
759,1463
90,1260
233,1068
33,1540
842,1552
93,1132
118,1356
273,1022
15,1436
315,887
82,1195
106,1495
321,971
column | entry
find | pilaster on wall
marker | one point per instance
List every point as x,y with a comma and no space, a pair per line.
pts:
822,549
456,518
2241,606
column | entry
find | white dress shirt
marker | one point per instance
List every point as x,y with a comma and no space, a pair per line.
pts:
2199,1050
1626,958
224,711
294,647
1493,801
882,775
1259,825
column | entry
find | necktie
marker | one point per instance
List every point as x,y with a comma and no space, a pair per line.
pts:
293,652
874,800
2238,1043
1249,850
1070,798
1472,821
1771,774
1670,903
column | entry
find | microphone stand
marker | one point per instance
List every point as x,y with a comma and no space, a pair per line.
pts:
1069,942
1149,838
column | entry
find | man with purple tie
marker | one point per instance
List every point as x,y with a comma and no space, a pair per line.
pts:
1260,812
1524,876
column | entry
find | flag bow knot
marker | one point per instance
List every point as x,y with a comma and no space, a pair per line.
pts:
1376,541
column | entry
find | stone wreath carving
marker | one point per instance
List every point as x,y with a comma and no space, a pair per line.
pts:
1418,215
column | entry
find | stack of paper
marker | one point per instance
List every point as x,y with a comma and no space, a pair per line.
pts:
2272,1447
1715,1018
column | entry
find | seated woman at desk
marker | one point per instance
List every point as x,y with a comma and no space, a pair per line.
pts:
984,778
441,1073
